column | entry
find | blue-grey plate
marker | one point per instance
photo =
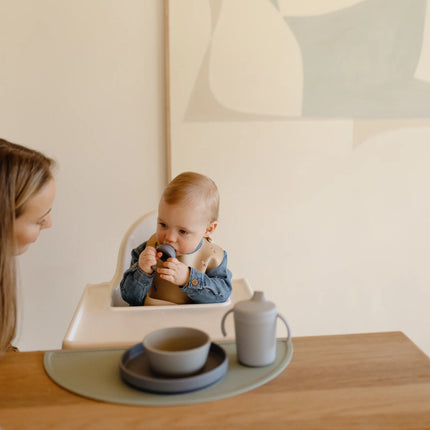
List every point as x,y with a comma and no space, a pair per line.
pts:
135,370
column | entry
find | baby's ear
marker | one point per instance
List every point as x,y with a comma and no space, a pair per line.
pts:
211,228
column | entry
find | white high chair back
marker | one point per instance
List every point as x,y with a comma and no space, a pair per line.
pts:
140,231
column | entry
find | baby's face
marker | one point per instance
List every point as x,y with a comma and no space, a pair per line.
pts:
181,225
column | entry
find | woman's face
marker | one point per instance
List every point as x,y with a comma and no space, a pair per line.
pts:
35,217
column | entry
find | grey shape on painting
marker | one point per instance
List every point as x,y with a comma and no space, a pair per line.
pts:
359,62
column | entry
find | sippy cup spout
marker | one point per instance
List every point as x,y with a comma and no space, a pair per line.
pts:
259,296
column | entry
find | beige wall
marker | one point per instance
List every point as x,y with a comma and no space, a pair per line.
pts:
83,81
343,247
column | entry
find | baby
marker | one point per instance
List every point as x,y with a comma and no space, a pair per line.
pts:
187,217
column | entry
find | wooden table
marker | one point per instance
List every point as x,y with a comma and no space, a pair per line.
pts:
363,381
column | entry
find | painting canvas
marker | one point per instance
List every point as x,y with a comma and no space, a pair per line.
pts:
268,60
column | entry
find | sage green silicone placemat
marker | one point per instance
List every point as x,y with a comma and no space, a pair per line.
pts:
95,374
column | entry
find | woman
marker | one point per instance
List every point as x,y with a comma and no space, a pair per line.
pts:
27,192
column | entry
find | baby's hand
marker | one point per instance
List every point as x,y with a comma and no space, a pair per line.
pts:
175,272
148,258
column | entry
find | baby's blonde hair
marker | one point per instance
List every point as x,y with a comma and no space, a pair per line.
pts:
194,187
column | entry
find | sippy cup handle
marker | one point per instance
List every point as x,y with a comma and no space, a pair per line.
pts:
223,322
283,319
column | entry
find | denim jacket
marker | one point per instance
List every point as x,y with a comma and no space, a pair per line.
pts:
214,286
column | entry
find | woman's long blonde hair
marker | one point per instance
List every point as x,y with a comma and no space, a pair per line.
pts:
23,172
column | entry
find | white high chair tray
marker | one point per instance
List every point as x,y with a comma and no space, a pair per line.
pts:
98,324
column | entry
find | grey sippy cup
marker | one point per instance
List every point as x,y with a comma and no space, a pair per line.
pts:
255,328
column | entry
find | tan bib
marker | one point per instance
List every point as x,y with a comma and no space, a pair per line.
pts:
163,292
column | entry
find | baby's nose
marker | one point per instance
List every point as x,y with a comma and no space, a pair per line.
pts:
170,236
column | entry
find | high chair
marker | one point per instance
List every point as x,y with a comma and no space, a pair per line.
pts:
103,319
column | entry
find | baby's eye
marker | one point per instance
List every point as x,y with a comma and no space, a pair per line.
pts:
183,232
162,224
